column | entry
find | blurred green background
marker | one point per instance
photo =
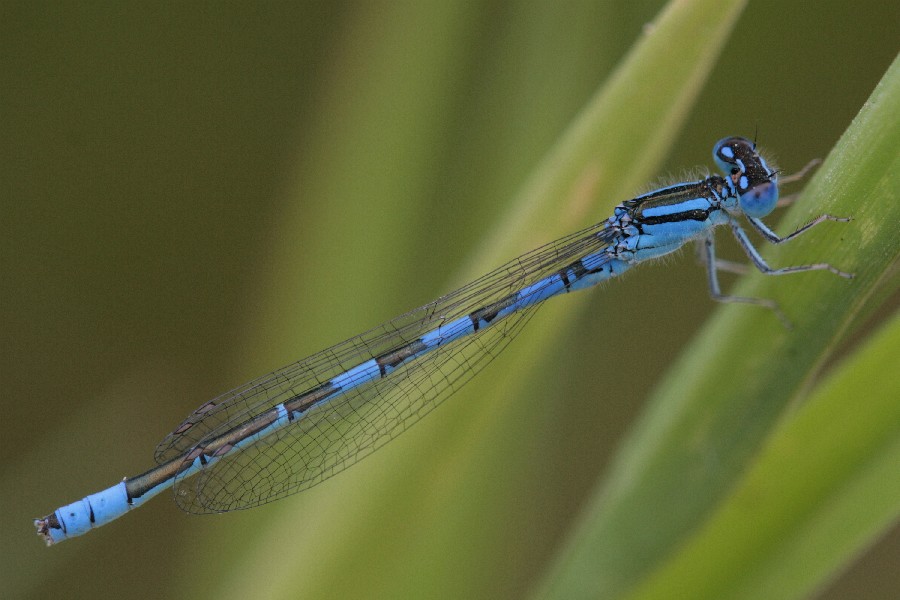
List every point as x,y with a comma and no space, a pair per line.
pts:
193,195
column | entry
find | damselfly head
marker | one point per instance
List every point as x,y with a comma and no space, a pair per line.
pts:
755,184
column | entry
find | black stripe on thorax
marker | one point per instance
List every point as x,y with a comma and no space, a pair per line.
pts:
677,217
669,195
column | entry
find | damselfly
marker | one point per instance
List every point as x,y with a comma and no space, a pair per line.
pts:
293,428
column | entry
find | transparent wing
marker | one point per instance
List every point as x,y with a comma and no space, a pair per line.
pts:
340,431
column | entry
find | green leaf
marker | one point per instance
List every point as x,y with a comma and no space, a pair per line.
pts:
822,487
727,405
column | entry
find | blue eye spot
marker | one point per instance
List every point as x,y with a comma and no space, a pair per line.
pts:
727,152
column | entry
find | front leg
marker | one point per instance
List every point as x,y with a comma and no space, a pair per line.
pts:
753,253
774,237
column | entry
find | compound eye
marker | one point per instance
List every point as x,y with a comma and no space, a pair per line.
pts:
729,153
